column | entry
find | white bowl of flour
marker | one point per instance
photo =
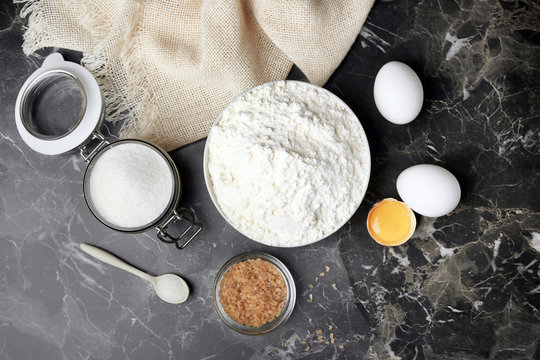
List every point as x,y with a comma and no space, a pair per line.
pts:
287,163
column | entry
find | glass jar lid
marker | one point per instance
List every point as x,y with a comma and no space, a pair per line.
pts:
58,107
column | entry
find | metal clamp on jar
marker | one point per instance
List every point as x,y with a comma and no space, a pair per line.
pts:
60,108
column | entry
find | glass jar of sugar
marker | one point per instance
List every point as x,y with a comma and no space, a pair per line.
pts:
129,185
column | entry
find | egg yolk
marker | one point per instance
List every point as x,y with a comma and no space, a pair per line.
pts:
391,222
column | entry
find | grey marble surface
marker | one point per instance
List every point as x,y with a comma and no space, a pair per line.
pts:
467,286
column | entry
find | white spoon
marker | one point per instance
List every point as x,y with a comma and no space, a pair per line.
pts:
169,287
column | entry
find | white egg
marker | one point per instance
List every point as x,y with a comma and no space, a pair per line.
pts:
430,190
398,93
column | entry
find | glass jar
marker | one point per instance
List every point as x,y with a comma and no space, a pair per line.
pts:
60,108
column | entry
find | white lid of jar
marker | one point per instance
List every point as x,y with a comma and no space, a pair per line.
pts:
88,122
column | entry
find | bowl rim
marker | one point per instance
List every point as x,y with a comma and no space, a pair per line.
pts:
290,301
207,179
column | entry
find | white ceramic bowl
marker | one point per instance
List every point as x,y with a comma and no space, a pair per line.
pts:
367,159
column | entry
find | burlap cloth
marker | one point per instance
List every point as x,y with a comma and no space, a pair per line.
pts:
168,67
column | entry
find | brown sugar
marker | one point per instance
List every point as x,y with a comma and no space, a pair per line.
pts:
253,292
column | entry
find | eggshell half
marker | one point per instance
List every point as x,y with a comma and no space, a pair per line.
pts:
430,190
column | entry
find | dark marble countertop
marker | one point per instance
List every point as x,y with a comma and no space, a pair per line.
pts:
466,286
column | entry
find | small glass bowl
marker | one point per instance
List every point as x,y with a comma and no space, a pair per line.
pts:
287,308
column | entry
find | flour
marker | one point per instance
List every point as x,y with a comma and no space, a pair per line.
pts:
288,163
131,185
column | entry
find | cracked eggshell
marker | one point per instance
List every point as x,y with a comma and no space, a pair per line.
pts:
398,93
430,190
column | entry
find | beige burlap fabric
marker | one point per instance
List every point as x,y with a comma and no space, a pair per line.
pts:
168,67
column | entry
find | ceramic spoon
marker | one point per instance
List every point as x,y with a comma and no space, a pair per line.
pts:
169,287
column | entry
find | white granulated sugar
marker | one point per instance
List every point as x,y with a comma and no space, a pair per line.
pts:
131,185
288,163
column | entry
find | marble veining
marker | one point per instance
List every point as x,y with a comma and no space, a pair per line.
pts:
466,286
